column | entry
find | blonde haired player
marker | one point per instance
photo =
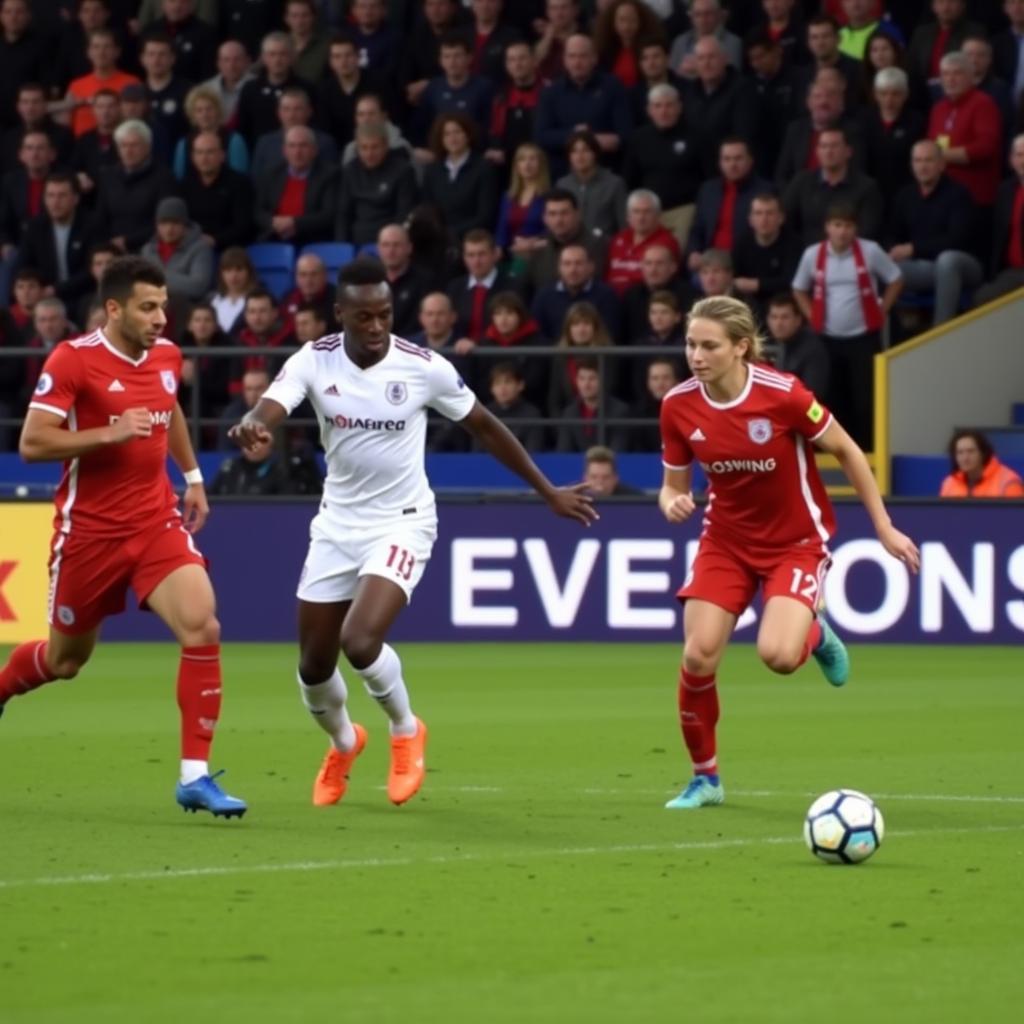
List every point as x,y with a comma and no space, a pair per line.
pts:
768,520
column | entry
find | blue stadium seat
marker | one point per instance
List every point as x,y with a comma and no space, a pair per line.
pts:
370,249
275,265
334,254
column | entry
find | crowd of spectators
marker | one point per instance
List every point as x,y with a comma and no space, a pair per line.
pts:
569,174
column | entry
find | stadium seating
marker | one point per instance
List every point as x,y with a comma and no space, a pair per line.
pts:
334,254
275,265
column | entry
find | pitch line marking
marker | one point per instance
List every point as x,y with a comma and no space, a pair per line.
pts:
620,791
215,871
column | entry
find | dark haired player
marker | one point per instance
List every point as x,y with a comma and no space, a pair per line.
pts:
376,526
106,406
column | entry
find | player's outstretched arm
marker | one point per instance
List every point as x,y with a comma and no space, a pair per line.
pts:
674,499
257,426
195,508
569,502
45,439
836,441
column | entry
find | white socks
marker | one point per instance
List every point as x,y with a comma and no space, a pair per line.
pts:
385,685
192,770
326,703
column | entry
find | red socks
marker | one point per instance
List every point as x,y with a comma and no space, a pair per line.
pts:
199,695
25,670
698,715
813,639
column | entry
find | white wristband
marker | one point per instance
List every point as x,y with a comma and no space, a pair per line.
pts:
193,476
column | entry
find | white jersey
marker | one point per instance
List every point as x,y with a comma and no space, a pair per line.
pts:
373,424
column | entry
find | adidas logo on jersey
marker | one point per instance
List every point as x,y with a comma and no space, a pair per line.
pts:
115,385
333,391
698,435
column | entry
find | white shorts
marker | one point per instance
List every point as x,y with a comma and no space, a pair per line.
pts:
397,551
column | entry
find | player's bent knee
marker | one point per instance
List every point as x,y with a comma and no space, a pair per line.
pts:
779,659
66,667
361,649
700,659
203,632
314,669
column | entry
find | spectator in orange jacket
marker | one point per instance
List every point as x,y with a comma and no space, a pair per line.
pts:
977,473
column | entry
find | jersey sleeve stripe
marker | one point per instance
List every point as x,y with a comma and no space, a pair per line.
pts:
412,350
668,465
48,408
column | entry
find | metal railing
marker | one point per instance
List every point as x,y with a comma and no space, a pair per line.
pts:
200,423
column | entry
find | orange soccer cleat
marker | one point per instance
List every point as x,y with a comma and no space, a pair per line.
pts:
408,767
332,779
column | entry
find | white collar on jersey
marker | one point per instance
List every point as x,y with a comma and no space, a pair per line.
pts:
737,400
117,352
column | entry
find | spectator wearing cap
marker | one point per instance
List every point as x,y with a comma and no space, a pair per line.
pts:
600,193
103,52
295,201
186,257
660,157
130,190
218,197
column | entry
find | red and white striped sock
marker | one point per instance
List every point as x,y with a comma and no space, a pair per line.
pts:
26,670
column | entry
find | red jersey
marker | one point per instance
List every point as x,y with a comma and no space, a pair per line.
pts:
626,256
117,489
764,487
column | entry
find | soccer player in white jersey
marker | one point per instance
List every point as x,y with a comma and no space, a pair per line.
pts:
373,535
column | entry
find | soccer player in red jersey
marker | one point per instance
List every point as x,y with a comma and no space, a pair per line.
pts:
768,520
106,406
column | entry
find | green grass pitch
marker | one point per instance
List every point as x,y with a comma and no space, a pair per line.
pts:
537,876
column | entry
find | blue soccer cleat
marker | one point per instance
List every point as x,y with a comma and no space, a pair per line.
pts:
205,795
831,655
702,791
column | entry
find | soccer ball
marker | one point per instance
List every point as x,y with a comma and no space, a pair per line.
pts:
843,827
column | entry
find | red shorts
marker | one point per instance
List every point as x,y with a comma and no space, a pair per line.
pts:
725,575
90,576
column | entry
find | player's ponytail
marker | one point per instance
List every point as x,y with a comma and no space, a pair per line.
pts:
737,320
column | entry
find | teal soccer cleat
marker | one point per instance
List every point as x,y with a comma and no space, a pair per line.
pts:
702,791
205,795
831,655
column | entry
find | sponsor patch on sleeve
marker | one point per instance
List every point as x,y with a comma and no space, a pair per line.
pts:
815,413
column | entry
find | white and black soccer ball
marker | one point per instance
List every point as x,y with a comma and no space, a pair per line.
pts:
843,826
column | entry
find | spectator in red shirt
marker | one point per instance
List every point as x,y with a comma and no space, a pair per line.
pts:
625,256
1008,233
618,32
967,125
